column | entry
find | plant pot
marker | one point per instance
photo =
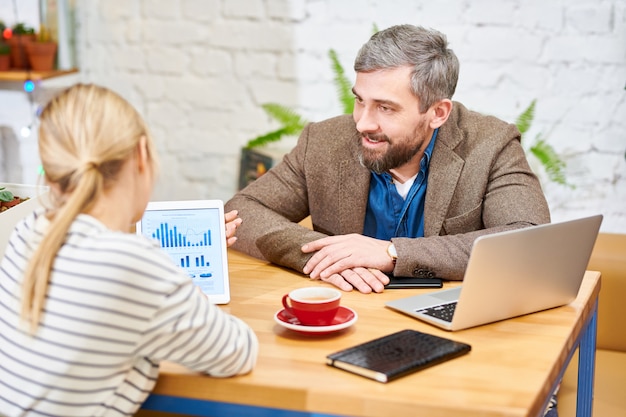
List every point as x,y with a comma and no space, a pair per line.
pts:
5,62
8,204
41,55
8,218
256,162
17,43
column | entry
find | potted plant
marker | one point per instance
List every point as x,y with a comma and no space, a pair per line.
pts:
5,50
552,163
31,197
42,52
8,199
254,160
5,56
3,31
20,35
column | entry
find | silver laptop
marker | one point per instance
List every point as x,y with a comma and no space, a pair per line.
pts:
510,274
192,233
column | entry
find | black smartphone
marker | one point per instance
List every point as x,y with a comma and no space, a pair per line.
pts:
411,282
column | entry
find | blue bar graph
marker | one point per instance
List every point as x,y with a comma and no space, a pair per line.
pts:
184,261
170,237
200,261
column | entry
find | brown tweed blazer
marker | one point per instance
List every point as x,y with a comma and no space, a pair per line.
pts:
479,182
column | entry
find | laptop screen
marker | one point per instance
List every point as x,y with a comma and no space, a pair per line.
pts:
192,234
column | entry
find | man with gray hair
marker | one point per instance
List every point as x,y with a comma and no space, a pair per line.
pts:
401,187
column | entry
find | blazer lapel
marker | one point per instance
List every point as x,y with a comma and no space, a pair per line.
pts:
443,175
354,187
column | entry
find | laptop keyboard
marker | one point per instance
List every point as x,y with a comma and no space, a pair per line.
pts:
443,312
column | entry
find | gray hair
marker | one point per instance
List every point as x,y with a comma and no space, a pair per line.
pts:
435,66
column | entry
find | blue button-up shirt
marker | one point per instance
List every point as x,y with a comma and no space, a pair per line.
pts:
388,214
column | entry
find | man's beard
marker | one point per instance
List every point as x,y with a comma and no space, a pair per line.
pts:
396,155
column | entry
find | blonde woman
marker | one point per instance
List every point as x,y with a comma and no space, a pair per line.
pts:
88,310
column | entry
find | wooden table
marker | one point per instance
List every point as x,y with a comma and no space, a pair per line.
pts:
512,369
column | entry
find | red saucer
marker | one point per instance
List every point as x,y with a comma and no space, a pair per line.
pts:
344,318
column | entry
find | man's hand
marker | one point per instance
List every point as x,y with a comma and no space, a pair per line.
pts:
365,280
232,222
349,261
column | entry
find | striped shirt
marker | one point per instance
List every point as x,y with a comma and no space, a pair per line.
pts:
116,306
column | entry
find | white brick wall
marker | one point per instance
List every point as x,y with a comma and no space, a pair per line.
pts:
199,69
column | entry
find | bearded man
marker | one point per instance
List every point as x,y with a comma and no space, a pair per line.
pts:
401,187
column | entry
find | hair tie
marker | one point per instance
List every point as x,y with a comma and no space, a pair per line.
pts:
89,165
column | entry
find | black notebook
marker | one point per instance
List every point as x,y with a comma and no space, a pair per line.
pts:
397,354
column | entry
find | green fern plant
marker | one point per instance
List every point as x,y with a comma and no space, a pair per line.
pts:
342,84
291,123
550,160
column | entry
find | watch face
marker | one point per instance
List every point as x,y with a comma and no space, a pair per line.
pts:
391,250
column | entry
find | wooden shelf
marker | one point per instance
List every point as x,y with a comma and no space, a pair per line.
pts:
22,75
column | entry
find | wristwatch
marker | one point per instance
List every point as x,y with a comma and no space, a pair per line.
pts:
391,251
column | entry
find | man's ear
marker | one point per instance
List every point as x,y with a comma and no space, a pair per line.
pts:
441,111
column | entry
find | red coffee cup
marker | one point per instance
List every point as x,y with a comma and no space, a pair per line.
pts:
313,306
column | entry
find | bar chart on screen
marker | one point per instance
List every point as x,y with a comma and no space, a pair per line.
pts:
191,239
171,236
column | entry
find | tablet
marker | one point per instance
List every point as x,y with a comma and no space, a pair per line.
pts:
193,234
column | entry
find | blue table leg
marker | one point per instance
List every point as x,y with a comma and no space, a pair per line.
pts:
204,408
586,366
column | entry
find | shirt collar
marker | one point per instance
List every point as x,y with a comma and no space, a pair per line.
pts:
429,149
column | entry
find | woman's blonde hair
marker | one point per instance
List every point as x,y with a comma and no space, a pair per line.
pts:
86,134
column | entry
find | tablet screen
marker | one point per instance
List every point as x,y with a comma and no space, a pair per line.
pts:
192,234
